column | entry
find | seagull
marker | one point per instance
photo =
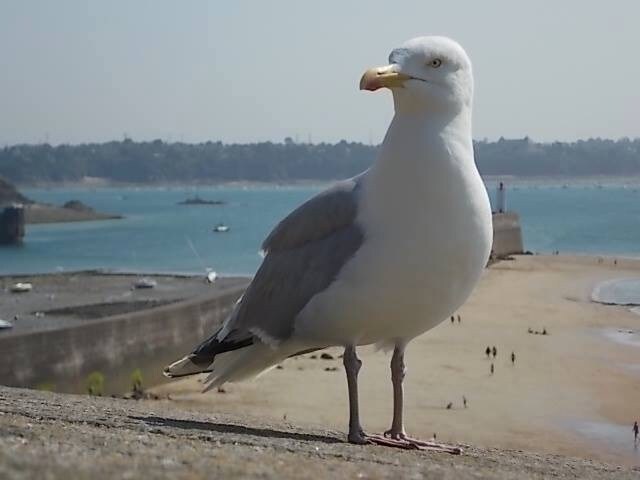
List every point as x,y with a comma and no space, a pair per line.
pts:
379,258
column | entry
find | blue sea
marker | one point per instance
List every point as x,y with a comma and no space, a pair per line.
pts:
158,235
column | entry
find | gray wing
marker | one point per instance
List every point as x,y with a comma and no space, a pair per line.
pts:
322,215
304,254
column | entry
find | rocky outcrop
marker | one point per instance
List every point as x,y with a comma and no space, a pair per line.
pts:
9,194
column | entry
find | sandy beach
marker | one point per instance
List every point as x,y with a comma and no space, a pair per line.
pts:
574,391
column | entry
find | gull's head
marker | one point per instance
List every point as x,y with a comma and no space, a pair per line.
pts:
432,73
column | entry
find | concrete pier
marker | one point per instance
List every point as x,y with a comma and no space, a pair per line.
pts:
507,234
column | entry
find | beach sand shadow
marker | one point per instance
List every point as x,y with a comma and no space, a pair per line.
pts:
234,429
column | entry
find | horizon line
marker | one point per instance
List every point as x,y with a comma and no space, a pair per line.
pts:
292,141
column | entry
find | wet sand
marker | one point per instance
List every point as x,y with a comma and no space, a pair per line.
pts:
575,391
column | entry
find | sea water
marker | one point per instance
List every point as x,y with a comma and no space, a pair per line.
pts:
618,291
158,235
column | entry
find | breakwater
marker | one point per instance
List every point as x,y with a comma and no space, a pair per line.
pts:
114,348
507,234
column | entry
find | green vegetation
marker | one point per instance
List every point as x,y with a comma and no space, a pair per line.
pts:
159,162
46,387
95,384
136,381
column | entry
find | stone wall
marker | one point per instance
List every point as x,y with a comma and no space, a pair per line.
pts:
62,359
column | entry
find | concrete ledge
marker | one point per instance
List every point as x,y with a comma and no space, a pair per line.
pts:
62,359
57,436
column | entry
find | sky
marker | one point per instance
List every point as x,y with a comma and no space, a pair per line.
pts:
75,71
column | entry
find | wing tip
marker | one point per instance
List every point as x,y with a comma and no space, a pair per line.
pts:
184,367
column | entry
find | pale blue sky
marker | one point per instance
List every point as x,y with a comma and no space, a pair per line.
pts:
241,71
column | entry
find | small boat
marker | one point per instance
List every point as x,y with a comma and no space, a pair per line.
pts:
4,324
211,276
200,201
21,287
145,283
221,228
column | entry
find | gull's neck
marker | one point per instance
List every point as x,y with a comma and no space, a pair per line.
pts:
425,165
421,143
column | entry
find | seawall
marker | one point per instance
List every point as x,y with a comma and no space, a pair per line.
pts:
62,359
507,234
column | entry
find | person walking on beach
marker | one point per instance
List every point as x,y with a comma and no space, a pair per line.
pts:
464,402
488,351
459,319
452,319
494,351
635,432
492,369
513,358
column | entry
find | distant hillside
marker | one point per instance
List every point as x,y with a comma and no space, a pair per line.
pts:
159,162
9,194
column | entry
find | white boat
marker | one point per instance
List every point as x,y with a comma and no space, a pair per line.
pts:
221,228
21,287
211,276
145,283
4,324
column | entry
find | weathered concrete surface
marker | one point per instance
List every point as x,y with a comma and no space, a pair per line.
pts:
58,436
507,234
61,359
66,299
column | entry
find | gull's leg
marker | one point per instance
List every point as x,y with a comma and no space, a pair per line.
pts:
398,372
352,366
396,436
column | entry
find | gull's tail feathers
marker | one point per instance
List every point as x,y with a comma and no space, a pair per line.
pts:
201,359
246,363
185,367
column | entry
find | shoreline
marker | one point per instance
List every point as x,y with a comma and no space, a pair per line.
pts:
552,181
628,259
43,213
125,272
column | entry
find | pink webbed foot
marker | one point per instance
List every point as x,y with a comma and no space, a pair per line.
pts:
401,440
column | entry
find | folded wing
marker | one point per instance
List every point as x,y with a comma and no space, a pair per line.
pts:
304,254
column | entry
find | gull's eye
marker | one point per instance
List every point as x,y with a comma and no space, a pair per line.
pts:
435,63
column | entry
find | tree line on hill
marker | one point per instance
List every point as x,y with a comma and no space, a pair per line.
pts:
128,161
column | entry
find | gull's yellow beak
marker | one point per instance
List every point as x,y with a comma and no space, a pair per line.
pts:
379,77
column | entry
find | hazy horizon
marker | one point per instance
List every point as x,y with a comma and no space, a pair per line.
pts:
300,141
250,72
